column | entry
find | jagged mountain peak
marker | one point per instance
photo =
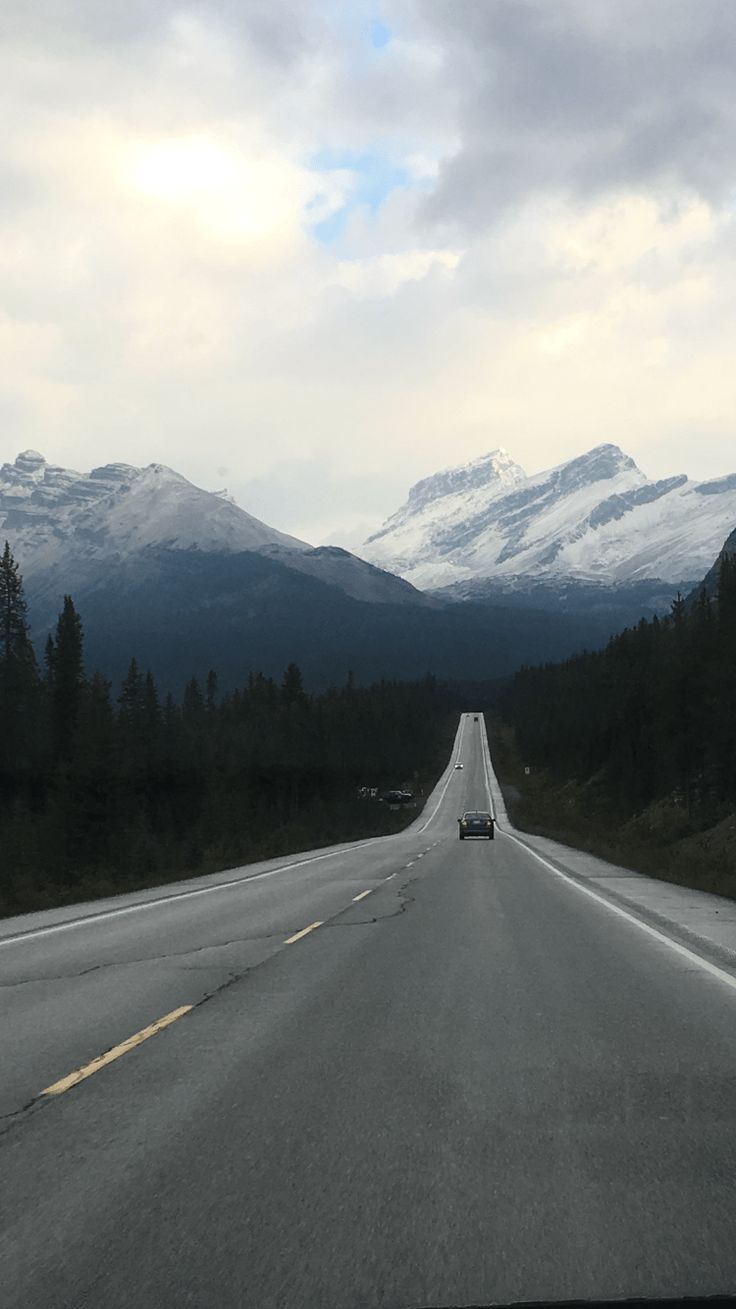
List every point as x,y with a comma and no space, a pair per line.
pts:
46,510
489,474
595,518
28,466
494,469
597,465
71,532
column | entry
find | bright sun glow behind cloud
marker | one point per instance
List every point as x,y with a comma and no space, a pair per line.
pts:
178,170
247,194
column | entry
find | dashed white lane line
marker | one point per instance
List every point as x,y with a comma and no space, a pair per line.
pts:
362,896
92,919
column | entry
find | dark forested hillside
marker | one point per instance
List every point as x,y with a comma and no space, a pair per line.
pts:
102,792
184,611
636,743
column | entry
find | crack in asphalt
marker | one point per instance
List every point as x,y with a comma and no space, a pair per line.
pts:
377,918
15,1117
143,959
199,949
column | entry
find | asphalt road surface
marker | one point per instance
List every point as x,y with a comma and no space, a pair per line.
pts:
469,1083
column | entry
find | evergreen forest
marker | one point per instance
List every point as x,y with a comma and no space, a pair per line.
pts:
631,750
104,792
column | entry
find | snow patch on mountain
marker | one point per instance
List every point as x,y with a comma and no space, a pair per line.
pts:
596,518
68,529
51,514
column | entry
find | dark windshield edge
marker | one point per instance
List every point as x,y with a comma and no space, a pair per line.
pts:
628,1302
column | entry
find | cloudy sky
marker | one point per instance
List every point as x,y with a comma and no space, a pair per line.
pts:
313,250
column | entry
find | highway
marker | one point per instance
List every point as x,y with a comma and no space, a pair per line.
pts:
405,1072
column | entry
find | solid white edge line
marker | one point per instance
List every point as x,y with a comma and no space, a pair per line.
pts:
712,969
682,950
35,932
455,751
178,895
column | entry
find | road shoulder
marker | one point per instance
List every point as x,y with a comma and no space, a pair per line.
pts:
699,919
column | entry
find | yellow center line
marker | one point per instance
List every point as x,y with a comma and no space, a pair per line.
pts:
117,1050
298,935
362,896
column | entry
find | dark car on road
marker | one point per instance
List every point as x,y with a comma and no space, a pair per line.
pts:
476,822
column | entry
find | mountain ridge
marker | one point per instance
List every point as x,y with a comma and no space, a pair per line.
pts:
596,520
156,570
69,529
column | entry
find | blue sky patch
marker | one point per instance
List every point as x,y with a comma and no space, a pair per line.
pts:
375,177
379,33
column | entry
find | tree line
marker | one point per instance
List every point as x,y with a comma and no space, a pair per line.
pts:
650,718
100,792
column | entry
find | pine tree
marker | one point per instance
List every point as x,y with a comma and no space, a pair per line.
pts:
20,709
678,610
132,719
152,722
150,699
15,642
727,594
48,658
193,703
67,676
132,698
292,687
211,691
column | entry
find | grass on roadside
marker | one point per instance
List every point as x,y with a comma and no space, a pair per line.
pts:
661,841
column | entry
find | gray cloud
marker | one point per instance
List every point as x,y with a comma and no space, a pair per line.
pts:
583,97
278,28
557,285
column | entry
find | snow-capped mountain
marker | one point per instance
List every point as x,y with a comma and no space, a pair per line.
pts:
596,520
67,529
48,512
186,581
